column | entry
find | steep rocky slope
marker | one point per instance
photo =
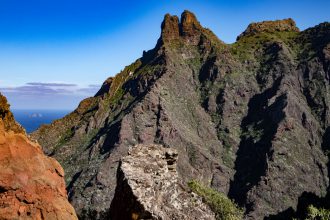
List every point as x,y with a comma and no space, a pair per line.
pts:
250,119
31,184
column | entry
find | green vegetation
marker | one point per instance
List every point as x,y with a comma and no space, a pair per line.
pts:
175,44
245,48
117,91
148,69
253,132
195,63
228,142
88,139
121,77
317,213
224,137
117,96
227,158
215,41
68,134
222,206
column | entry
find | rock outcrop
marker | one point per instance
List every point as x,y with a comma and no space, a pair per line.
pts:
148,187
31,184
188,28
286,25
7,117
250,119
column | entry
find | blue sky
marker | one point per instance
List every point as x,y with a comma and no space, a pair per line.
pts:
54,53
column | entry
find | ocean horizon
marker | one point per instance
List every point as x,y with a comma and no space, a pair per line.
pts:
32,119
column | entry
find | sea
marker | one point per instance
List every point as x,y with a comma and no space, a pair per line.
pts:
32,119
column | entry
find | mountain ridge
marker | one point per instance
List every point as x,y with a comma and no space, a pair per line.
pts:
229,110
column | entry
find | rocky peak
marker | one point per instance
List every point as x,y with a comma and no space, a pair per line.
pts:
189,24
170,28
288,25
148,187
188,27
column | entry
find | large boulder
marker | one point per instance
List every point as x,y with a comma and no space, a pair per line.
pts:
149,188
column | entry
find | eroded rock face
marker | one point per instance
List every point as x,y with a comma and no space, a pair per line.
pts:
148,187
31,184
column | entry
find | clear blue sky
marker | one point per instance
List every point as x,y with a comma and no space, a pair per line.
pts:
54,53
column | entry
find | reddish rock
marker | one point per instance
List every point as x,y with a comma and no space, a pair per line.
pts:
31,184
170,28
190,26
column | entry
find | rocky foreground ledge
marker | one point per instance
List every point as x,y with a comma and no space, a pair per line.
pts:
148,188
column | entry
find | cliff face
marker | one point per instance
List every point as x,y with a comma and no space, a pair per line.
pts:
31,184
251,118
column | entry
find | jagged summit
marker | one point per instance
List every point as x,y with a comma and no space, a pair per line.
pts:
288,25
170,27
189,24
189,28
173,28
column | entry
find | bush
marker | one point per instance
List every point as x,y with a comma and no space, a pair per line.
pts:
222,206
317,213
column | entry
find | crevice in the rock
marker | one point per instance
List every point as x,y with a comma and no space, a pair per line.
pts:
206,73
258,130
326,149
112,137
158,138
87,214
3,190
70,185
23,200
303,119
